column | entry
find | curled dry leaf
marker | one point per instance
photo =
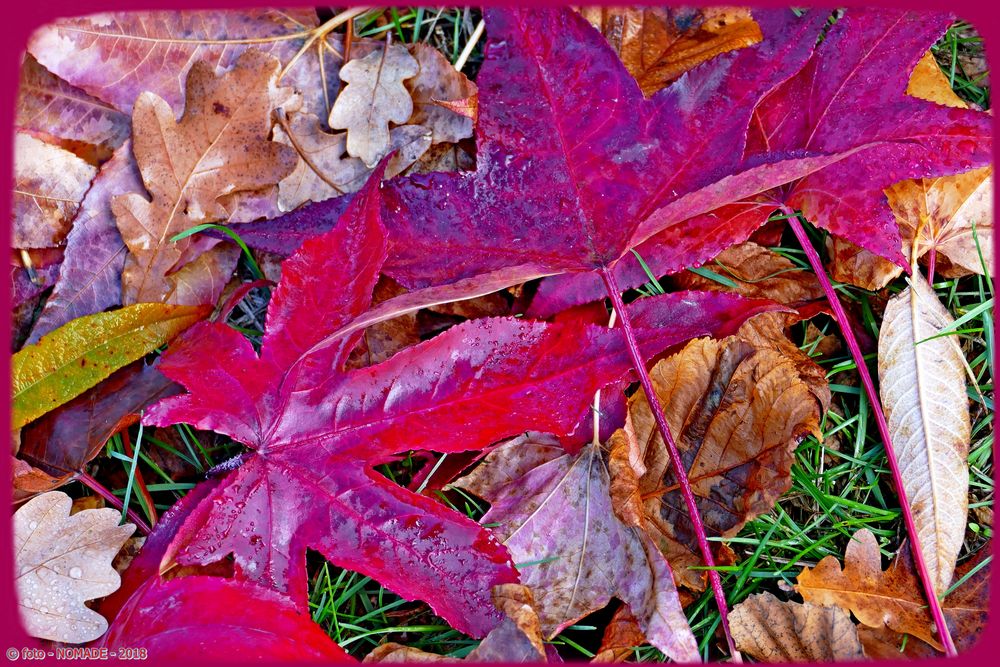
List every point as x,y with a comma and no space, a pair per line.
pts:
218,148
737,408
518,638
49,183
46,103
62,561
937,213
436,88
374,97
325,170
554,511
658,44
922,386
772,630
78,355
893,598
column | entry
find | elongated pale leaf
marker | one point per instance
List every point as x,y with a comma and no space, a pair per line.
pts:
923,391
78,355
774,631
62,561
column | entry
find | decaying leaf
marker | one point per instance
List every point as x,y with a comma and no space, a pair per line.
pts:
518,638
922,386
884,644
939,213
771,630
46,103
325,170
893,598
78,355
553,510
737,409
49,184
218,148
61,561
658,44
437,82
374,97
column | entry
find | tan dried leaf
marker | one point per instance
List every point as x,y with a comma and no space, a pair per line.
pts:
62,561
49,184
325,170
737,408
922,387
374,97
771,630
658,44
894,599
438,81
218,148
939,213
884,644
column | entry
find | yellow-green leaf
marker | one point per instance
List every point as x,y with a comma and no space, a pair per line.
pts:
81,353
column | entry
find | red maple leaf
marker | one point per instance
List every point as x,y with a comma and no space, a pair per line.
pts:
316,432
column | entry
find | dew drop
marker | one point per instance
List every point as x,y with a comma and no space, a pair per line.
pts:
75,572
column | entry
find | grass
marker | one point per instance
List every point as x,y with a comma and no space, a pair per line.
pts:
839,484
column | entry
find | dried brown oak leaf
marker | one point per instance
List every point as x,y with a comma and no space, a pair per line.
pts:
922,387
621,636
771,630
218,148
737,407
374,97
518,638
940,213
658,44
894,599
49,184
436,88
884,644
325,170
62,561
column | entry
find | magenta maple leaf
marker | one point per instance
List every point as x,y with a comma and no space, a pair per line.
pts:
316,432
849,99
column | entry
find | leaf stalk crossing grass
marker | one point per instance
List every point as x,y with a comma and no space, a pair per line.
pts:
715,581
866,380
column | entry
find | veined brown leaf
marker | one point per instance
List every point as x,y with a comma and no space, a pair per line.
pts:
219,147
62,561
78,355
774,631
737,408
923,391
